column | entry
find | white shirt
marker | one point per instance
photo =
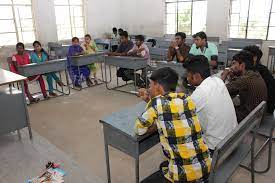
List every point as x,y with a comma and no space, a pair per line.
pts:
215,110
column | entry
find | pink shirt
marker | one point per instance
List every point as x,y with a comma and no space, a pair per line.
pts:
144,53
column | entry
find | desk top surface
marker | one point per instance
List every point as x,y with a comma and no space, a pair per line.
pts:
7,77
124,120
125,58
271,47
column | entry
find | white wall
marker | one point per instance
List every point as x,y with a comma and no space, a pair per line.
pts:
143,16
102,16
44,18
217,18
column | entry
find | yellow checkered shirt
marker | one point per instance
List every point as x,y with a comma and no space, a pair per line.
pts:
180,136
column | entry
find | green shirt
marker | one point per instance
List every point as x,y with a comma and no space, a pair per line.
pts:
208,51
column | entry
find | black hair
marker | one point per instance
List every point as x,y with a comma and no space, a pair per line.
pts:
120,30
255,51
88,35
20,44
42,49
124,34
198,65
75,38
201,35
114,29
167,78
181,34
244,57
140,38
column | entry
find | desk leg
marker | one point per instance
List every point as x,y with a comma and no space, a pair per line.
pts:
135,80
26,112
137,163
107,159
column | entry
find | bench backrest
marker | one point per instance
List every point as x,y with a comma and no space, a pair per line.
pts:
224,149
158,53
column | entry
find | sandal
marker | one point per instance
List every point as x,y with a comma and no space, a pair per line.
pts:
52,94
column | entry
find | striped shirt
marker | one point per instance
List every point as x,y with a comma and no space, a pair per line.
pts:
252,91
180,136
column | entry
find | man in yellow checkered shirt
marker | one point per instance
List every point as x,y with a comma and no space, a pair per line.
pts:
174,115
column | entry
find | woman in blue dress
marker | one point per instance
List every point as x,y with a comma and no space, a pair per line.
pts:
76,76
39,55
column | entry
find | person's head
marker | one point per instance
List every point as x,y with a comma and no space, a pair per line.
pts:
124,37
87,38
20,48
114,30
37,46
163,81
198,69
120,31
180,38
75,41
256,53
200,39
242,62
139,40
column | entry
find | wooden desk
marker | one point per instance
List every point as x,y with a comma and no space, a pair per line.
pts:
13,108
119,133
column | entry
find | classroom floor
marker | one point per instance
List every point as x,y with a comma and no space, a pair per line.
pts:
71,124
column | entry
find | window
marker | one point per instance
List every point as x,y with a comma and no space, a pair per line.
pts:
16,22
252,19
69,18
187,16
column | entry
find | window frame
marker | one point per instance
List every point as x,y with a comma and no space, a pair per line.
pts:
19,27
270,13
73,28
177,14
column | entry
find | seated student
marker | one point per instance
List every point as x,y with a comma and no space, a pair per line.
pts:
115,36
202,47
40,55
214,105
120,31
140,49
74,50
266,75
174,115
123,48
23,58
246,83
178,48
89,47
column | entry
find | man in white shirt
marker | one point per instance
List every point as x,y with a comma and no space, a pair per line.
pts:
215,108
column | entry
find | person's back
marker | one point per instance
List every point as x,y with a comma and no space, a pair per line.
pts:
215,110
179,130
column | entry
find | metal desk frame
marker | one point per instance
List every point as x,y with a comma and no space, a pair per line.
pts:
271,59
128,143
21,70
21,81
83,60
129,63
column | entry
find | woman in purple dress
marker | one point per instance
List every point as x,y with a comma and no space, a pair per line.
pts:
76,77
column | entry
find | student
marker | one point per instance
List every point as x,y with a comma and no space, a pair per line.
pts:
89,47
202,47
246,83
178,48
115,34
266,75
74,50
120,31
23,58
124,47
115,37
39,55
174,115
140,49
214,106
